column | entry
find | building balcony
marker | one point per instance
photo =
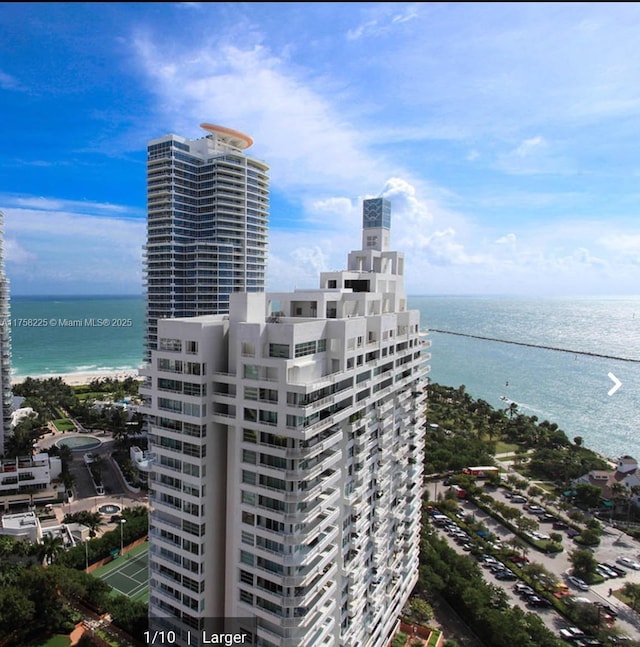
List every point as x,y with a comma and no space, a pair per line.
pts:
322,563
284,638
317,444
357,600
326,500
303,556
312,472
224,418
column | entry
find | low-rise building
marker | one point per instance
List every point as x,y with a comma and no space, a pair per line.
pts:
28,480
35,471
625,472
24,525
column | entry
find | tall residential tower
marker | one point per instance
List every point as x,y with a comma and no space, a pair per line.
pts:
5,347
289,440
208,205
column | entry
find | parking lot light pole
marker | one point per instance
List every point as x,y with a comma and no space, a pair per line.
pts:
122,522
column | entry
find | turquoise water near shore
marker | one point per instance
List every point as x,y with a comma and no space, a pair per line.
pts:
568,388
57,335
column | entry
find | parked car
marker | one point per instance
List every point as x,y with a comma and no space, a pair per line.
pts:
537,601
523,589
519,559
629,563
616,569
571,633
578,583
518,499
607,571
607,608
506,574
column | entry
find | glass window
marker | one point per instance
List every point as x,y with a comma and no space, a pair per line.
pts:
279,350
248,498
248,477
248,456
170,344
251,371
306,348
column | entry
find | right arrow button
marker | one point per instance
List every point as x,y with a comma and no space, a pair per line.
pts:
616,384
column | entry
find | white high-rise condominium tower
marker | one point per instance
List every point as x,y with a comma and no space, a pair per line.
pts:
5,347
288,440
208,205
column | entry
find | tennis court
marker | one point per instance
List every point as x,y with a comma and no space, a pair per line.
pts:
129,573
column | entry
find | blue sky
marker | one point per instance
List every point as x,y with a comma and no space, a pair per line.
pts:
505,136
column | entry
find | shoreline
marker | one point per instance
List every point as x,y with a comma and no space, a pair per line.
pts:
82,378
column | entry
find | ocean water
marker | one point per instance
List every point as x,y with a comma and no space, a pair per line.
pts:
569,388
59,335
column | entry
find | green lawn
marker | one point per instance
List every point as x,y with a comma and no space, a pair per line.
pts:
435,636
503,448
64,424
90,395
55,641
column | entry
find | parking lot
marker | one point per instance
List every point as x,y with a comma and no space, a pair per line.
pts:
614,547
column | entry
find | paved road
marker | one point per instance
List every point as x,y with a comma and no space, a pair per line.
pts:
85,497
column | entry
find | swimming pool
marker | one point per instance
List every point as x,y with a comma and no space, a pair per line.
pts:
79,443
109,508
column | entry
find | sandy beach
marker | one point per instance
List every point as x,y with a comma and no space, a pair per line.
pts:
76,379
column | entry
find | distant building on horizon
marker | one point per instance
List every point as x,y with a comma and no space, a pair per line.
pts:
5,347
207,218
288,438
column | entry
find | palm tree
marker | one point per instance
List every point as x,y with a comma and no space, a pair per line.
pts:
634,491
632,591
50,547
618,493
92,520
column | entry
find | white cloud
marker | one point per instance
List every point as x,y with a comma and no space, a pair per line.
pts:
624,246
47,247
314,130
16,253
530,146
332,212
385,17
8,82
306,141
56,204
406,202
509,240
534,156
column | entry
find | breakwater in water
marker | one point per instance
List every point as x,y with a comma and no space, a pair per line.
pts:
529,345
